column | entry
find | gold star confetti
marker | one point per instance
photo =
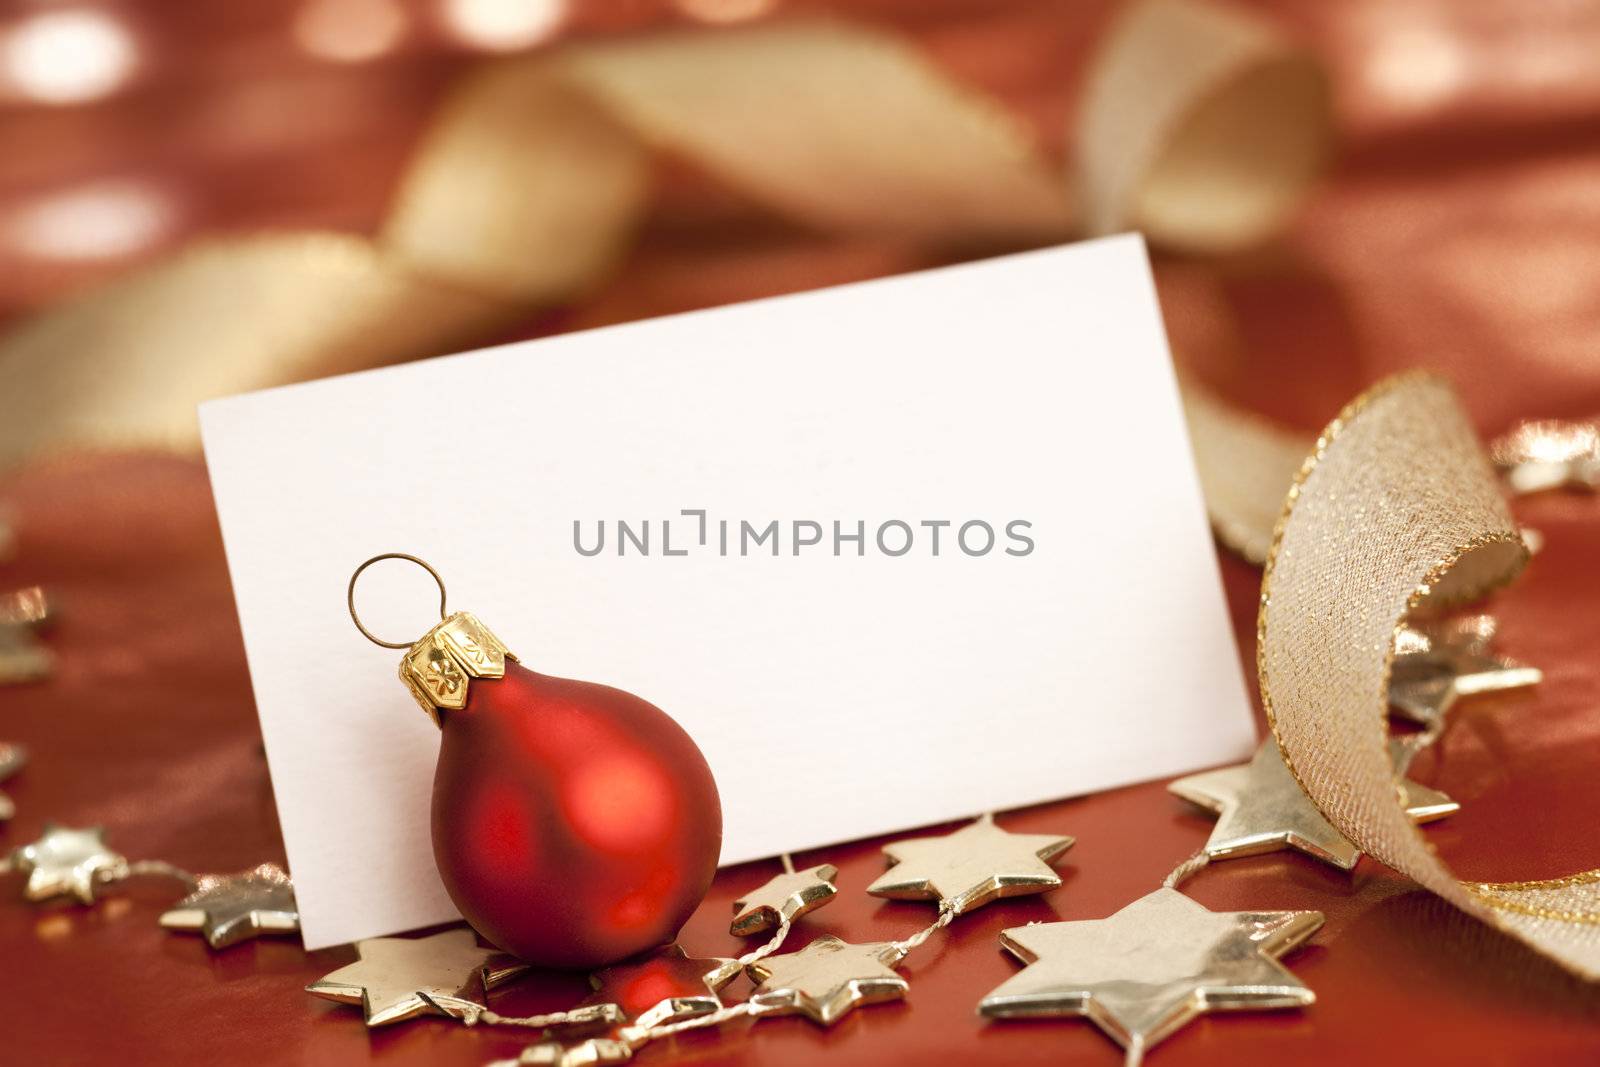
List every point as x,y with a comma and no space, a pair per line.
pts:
399,978
1261,808
666,985
229,908
12,759
1549,454
68,862
1161,961
827,978
783,899
969,868
1436,663
27,607
22,657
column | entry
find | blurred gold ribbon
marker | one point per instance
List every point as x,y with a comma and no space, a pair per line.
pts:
1245,463
1199,125
1396,509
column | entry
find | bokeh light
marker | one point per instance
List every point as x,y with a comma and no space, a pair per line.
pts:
99,220
503,25
349,31
1418,67
68,57
725,11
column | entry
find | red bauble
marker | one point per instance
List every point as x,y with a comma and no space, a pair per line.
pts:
573,824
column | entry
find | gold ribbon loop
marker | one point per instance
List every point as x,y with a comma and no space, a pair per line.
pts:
1395,510
837,126
127,364
1201,126
524,187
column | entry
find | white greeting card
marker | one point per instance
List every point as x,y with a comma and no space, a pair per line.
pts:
893,553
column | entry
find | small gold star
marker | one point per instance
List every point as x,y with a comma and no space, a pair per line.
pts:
229,908
68,862
783,899
398,978
12,759
827,978
971,867
1155,965
1261,808
1435,663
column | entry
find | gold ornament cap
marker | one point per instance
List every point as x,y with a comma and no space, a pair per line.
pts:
438,667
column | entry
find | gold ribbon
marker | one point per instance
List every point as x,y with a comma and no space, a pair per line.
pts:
1395,510
1246,463
1200,126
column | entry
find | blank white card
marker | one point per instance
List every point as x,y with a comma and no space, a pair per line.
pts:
893,553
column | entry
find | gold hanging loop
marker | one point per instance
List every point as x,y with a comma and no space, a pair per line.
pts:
350,596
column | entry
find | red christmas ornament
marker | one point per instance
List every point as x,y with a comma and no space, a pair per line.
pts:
574,824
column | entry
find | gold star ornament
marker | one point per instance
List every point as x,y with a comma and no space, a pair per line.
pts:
1261,808
67,861
1436,663
398,978
1143,973
969,868
12,759
229,908
827,979
783,899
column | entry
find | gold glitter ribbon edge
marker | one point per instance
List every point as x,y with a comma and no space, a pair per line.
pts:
1395,510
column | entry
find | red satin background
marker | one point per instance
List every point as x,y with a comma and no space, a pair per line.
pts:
1460,230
